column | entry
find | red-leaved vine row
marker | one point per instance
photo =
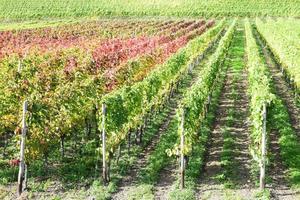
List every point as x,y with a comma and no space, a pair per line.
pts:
86,36
113,52
158,56
63,85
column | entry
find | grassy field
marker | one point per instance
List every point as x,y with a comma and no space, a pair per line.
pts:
36,9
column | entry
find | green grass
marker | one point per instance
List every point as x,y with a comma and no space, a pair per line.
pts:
37,9
143,191
288,141
263,195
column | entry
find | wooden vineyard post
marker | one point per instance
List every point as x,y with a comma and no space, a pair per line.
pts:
19,66
182,164
22,165
119,153
209,101
98,134
25,176
129,140
104,164
177,86
136,135
263,150
171,91
190,69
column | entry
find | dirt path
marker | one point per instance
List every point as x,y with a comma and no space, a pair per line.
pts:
279,187
168,176
236,79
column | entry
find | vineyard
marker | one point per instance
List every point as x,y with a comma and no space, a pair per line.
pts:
40,9
151,108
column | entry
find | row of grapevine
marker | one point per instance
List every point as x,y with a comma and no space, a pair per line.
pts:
192,109
47,39
144,63
111,54
194,106
260,97
280,116
74,66
285,47
129,107
107,53
88,29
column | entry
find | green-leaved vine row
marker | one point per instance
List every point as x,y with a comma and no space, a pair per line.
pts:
128,106
284,46
259,90
195,100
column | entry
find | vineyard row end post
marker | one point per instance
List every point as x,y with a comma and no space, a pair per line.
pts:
104,161
263,149
182,163
22,165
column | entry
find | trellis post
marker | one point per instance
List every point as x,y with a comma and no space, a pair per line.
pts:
182,163
22,165
263,149
104,161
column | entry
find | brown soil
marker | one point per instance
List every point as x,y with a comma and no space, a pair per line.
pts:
168,176
210,187
279,186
